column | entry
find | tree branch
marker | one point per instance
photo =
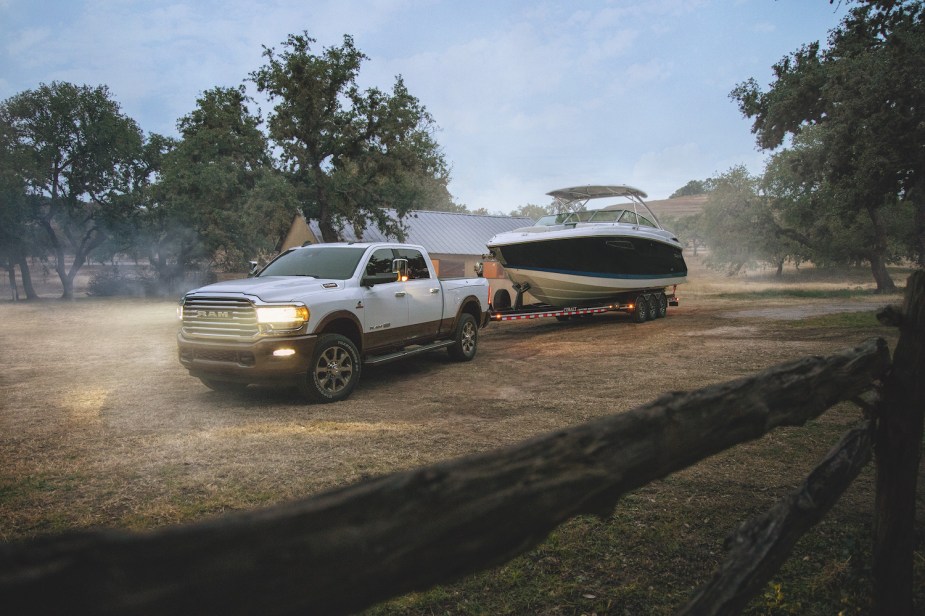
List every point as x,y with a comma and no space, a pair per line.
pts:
761,545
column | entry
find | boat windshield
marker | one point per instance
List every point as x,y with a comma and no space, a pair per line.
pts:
601,216
625,216
551,220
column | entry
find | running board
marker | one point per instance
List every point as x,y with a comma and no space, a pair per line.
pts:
375,360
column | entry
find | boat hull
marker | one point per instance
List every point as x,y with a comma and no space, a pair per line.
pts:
588,269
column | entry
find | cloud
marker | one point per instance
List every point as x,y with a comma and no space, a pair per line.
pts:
661,172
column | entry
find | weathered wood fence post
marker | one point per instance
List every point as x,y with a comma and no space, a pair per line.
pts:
898,447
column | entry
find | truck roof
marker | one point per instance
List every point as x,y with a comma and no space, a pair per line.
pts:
363,244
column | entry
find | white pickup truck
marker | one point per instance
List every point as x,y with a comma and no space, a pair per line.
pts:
315,314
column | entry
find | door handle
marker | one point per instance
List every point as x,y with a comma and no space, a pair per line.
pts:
399,293
435,291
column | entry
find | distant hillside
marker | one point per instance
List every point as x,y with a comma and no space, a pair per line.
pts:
678,207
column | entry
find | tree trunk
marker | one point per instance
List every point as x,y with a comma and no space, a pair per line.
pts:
58,249
917,196
881,275
26,277
898,453
878,254
11,270
67,285
780,268
328,231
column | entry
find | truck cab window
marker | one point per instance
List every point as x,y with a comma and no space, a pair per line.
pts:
380,262
417,266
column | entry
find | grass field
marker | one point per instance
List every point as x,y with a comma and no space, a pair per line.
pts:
100,426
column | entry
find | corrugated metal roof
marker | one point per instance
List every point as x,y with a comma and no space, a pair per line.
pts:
442,232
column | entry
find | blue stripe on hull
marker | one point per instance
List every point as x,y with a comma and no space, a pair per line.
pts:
602,274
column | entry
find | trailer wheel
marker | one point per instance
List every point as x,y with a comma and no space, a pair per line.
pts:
501,300
465,340
641,310
334,371
662,305
653,306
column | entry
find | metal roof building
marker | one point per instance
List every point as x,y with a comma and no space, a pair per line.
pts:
446,233
456,242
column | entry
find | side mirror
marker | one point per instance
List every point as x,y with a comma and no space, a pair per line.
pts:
400,267
371,280
254,268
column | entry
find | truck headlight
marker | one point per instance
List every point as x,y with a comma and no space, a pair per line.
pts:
287,317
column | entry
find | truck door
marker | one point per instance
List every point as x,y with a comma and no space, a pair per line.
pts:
385,306
425,296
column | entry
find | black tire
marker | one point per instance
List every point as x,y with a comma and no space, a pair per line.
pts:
465,340
641,310
501,300
653,306
662,305
224,387
334,371
562,317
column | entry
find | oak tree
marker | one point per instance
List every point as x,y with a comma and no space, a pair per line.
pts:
353,155
866,89
76,154
219,199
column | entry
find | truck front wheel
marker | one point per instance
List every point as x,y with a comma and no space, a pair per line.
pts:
334,371
466,339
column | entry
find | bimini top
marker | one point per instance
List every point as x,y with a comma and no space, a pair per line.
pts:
583,193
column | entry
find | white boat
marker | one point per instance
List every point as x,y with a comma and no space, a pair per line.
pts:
587,256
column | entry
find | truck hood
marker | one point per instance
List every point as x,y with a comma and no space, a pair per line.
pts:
273,288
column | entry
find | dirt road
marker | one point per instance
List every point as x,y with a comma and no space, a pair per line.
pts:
100,425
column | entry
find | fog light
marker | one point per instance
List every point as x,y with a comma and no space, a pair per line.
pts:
283,352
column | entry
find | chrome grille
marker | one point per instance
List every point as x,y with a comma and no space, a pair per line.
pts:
219,317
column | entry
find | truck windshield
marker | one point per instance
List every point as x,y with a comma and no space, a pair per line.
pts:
337,262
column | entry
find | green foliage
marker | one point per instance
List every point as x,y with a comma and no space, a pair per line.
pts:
20,236
738,225
862,98
219,198
533,211
351,155
820,216
77,157
694,187
112,282
688,229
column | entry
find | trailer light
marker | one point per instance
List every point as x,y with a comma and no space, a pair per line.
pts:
283,352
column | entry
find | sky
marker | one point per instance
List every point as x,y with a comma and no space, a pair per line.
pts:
528,96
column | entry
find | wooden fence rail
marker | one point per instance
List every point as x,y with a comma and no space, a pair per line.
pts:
352,547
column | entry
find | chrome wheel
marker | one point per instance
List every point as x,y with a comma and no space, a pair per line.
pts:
334,370
466,340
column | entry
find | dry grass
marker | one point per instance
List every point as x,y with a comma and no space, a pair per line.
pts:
99,425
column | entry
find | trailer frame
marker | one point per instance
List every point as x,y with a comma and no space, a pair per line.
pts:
624,302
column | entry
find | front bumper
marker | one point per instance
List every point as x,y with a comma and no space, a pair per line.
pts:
249,361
